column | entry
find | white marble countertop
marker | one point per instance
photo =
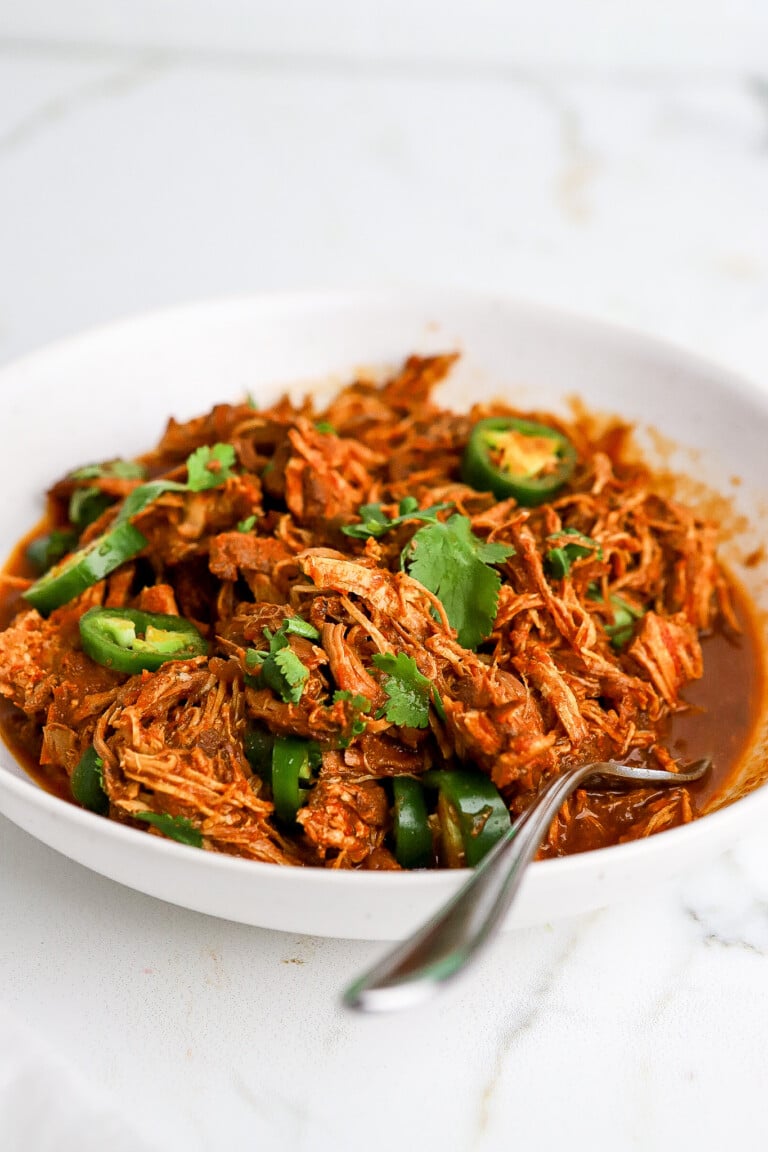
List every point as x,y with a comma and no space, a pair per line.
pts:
132,177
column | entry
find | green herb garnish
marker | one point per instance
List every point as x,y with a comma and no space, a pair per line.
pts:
297,626
210,467
200,478
625,616
452,562
560,558
86,505
48,550
120,469
408,692
356,699
138,500
358,704
375,522
280,668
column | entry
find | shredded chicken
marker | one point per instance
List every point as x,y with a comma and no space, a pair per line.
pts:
549,687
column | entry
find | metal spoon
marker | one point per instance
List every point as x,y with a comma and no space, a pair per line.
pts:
446,944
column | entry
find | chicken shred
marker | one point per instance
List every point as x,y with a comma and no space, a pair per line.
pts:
547,689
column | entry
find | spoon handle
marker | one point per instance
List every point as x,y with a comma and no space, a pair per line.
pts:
442,947
439,950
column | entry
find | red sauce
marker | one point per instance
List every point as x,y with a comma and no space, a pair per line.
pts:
724,708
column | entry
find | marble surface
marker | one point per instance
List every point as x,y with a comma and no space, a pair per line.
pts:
137,176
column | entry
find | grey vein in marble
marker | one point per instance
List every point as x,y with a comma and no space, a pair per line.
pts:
579,164
729,909
460,69
524,1022
131,74
724,941
757,87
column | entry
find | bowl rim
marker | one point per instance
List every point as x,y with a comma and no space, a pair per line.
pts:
667,841
713,825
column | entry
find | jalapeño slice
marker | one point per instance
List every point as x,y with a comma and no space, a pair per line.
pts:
131,641
413,836
473,815
84,568
520,458
87,784
291,774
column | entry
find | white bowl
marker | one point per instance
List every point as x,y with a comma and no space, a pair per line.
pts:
109,392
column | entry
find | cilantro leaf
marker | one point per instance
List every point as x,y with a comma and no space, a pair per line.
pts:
201,476
293,674
281,669
437,700
452,562
86,505
297,626
210,467
355,699
175,827
375,522
570,545
247,524
47,550
625,616
408,692
576,538
138,500
325,428
358,704
121,469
